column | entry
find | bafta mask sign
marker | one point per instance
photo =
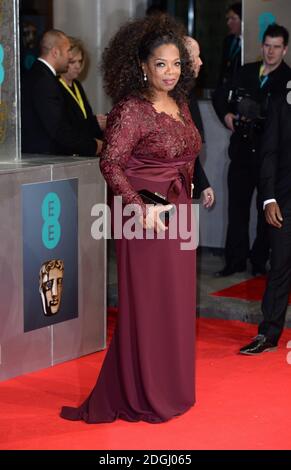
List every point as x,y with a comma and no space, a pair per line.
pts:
50,252
51,276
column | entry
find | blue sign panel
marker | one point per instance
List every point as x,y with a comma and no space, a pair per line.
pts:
50,252
2,72
265,19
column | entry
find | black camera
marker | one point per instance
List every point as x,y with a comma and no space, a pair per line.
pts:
251,114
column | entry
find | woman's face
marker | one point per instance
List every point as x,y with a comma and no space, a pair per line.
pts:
163,68
75,67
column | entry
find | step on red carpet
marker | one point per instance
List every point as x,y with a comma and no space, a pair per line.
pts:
243,402
252,289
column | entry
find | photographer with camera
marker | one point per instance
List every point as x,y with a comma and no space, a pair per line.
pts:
244,113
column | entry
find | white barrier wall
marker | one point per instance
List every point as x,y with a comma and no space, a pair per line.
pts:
24,351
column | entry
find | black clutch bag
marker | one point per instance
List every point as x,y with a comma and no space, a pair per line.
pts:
149,197
152,198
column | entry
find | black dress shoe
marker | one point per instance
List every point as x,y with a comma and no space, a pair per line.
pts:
229,270
260,344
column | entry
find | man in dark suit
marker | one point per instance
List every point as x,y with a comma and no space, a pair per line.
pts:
245,116
200,180
275,185
46,128
231,58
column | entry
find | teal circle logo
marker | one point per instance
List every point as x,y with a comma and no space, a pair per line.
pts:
2,71
265,19
51,229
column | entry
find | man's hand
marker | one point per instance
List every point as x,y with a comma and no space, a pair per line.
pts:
273,214
228,119
99,144
208,197
102,121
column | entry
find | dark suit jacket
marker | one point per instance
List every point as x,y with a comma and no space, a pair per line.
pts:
75,116
274,86
275,175
248,79
200,179
45,126
195,113
230,62
229,70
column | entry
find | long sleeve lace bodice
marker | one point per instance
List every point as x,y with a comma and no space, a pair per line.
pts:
136,130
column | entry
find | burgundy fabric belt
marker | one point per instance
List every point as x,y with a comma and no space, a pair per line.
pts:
162,171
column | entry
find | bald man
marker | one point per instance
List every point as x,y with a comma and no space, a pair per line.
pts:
200,180
46,128
193,49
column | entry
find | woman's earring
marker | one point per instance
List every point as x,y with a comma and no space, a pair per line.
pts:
145,77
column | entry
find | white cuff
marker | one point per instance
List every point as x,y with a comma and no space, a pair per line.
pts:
267,201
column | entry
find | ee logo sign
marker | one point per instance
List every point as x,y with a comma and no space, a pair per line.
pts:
2,72
51,229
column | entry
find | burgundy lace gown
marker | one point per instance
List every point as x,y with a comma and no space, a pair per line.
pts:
148,372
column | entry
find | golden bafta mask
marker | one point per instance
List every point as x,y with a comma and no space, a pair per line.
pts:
51,276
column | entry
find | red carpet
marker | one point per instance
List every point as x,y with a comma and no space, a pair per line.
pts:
253,289
242,402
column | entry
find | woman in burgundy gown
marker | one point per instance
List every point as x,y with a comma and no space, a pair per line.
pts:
150,143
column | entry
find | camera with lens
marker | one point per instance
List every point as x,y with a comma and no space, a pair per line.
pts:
251,114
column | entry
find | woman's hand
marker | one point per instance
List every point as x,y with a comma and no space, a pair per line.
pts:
153,220
208,197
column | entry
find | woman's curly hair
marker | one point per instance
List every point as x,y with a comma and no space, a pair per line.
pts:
133,44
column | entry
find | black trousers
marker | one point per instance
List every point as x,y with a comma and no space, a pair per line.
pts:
243,176
275,300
